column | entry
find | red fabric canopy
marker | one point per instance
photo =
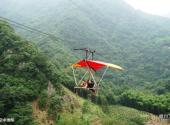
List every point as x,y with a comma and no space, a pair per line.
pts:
95,65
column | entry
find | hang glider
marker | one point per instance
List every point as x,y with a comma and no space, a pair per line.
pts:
91,66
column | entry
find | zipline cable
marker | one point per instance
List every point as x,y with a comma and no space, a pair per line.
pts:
28,27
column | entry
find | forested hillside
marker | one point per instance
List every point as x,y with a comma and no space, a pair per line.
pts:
122,35
24,74
138,42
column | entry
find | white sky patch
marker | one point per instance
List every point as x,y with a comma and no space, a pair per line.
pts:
156,7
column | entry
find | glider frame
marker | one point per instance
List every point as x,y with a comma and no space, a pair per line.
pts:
96,84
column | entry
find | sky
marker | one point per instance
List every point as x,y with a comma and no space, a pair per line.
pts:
155,7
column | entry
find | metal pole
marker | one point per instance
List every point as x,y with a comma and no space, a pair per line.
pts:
103,75
83,77
74,76
86,54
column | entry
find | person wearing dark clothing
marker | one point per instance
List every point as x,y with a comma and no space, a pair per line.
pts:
90,84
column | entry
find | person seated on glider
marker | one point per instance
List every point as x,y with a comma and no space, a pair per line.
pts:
90,84
84,84
87,84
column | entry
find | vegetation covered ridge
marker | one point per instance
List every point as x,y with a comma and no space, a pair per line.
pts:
24,73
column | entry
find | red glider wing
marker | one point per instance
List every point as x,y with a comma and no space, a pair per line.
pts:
95,65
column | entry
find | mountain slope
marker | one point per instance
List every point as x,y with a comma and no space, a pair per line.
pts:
24,73
83,111
137,41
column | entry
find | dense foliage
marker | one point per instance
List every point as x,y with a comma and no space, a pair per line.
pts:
156,104
24,73
136,41
121,35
